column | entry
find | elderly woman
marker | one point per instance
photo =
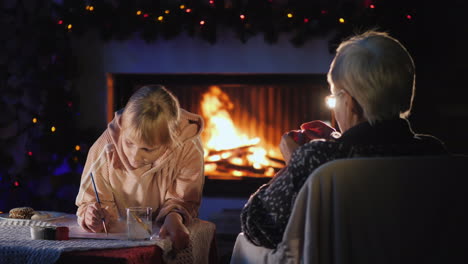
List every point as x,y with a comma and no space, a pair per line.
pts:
372,79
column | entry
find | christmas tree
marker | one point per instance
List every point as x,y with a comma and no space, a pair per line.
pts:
41,152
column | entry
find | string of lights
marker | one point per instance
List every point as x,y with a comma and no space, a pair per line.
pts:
304,19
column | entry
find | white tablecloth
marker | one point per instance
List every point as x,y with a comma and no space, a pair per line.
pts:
16,245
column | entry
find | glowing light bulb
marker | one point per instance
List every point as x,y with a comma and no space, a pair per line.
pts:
16,183
77,147
53,129
138,12
34,120
409,17
306,20
290,15
331,102
242,17
30,153
188,10
372,6
60,22
202,22
160,18
69,26
167,12
182,6
341,20
91,8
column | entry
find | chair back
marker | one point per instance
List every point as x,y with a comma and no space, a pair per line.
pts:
381,210
375,210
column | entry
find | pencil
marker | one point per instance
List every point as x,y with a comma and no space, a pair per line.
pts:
99,202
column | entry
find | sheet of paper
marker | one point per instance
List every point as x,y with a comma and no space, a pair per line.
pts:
77,232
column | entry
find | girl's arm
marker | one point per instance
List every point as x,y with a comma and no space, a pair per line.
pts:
184,194
97,163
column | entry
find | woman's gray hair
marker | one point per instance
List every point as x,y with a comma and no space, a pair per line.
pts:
378,72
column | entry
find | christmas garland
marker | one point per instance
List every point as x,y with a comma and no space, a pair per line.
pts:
167,19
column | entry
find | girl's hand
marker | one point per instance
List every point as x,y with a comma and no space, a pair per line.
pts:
93,218
174,228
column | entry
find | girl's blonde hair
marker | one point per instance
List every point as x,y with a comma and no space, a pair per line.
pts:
378,72
152,114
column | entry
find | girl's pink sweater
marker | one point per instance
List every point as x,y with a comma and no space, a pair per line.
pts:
174,182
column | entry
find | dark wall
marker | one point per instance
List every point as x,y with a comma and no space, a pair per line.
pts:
439,49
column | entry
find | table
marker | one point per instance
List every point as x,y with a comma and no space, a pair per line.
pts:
144,254
16,246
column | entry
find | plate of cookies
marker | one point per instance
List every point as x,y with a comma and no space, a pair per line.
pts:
28,214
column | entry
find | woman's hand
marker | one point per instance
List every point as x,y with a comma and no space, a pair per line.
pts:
287,146
93,218
174,228
313,130
318,130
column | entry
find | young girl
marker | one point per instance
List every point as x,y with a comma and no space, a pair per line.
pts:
149,155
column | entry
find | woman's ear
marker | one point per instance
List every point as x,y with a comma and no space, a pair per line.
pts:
353,106
348,102
356,107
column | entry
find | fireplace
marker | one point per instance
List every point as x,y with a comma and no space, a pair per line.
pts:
245,116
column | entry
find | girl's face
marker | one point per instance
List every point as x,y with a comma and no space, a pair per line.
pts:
138,153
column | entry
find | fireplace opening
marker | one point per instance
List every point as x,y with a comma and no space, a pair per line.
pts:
230,151
245,116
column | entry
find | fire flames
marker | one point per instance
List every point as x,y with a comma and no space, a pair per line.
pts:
228,152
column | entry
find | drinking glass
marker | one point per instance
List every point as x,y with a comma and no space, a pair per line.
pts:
139,223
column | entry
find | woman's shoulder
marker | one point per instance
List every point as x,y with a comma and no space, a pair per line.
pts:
431,143
320,150
312,155
318,145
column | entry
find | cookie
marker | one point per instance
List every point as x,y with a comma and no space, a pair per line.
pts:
21,213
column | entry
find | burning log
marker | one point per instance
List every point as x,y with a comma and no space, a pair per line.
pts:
226,166
276,160
236,161
234,150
